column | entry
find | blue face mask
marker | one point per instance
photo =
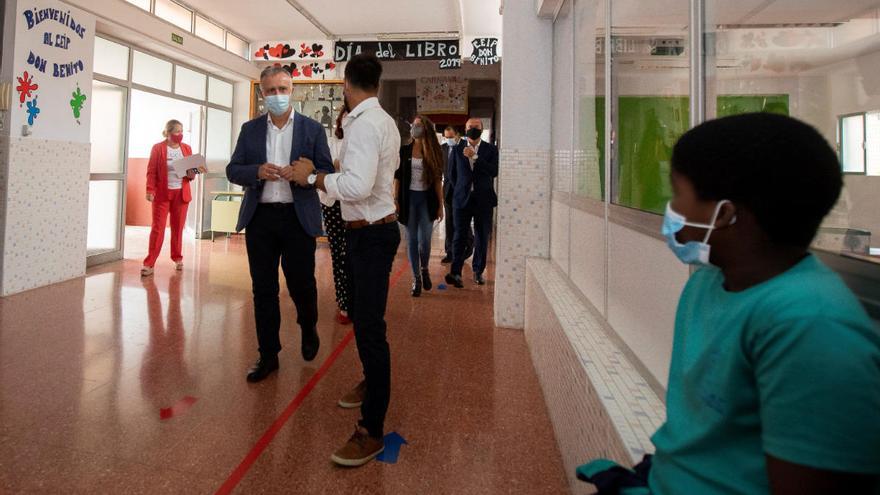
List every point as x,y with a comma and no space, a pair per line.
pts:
451,141
693,252
277,104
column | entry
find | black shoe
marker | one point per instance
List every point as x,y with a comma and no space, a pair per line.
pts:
478,278
417,287
454,280
262,368
310,343
446,260
426,279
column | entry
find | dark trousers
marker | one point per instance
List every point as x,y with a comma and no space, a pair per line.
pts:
275,233
371,252
450,230
482,218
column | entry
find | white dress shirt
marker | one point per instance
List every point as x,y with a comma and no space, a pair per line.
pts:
174,182
278,148
369,157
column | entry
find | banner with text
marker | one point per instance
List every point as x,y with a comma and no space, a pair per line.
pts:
398,50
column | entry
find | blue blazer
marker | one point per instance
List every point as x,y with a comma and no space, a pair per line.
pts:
309,140
482,177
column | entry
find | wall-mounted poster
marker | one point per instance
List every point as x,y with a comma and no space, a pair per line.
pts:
308,70
442,95
398,50
293,50
485,51
52,80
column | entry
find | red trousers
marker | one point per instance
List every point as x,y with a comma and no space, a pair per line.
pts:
177,207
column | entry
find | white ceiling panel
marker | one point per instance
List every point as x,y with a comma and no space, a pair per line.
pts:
262,20
360,17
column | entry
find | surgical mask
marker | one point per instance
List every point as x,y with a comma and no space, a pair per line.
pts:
451,141
417,131
474,133
177,138
692,252
277,104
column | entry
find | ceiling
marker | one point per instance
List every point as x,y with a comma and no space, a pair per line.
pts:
268,20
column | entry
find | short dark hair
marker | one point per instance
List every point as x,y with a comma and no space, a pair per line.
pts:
449,128
364,71
779,168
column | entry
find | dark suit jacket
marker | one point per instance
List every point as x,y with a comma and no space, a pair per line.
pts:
404,179
447,173
309,140
482,177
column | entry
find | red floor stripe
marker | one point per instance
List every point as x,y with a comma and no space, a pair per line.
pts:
258,448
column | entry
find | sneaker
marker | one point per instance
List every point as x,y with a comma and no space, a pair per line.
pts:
355,397
360,449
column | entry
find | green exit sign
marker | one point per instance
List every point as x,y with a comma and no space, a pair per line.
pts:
177,38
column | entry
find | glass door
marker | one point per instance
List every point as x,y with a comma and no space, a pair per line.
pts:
107,173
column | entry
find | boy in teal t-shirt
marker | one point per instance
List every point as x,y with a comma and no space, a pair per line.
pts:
774,384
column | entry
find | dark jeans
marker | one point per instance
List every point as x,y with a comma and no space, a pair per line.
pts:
371,252
450,230
275,233
482,217
419,230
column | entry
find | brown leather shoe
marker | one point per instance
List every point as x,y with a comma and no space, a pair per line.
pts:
360,449
355,397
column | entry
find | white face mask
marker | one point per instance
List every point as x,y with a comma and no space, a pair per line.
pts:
692,252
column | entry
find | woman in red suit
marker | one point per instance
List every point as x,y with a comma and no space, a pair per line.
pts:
168,193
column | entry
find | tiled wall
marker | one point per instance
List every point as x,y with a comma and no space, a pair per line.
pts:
523,228
600,406
46,212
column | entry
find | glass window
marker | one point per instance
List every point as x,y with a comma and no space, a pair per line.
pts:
872,143
174,13
209,31
189,83
218,147
105,200
219,92
108,121
237,45
111,59
650,98
151,71
852,143
588,177
144,4
150,112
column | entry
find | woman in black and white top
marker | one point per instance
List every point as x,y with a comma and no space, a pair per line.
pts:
418,187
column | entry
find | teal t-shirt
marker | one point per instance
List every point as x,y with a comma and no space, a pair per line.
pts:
789,368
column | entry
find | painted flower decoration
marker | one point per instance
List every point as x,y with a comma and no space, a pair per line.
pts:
32,111
76,104
25,87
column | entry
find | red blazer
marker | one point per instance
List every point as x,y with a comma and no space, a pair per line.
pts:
157,172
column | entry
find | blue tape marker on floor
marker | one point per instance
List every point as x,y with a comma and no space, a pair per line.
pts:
393,441
441,287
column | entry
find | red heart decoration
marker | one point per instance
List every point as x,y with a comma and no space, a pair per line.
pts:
321,53
276,50
307,70
295,73
261,53
331,65
302,45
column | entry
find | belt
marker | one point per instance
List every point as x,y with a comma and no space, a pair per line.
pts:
359,224
276,205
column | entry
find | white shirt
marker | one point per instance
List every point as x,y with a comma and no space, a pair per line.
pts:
417,181
335,145
174,182
278,148
369,157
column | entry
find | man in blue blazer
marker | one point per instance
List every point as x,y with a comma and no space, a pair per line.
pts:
473,198
282,219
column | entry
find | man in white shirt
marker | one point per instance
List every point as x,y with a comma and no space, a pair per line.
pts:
368,160
282,219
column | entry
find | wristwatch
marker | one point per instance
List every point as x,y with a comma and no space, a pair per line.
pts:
313,178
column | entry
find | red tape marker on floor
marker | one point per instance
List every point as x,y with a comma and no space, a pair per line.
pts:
178,408
258,448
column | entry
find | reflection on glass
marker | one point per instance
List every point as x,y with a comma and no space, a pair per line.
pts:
589,146
820,65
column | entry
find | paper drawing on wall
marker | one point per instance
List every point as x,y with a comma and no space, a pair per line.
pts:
277,51
76,104
314,51
25,87
308,70
32,111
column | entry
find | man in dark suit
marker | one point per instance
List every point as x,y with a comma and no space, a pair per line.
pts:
448,147
473,198
282,219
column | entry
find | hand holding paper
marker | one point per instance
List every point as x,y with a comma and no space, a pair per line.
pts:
193,162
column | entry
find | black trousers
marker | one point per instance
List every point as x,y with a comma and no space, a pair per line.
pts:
275,233
482,217
450,229
371,252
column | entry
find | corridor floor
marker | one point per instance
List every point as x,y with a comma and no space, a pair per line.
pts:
116,384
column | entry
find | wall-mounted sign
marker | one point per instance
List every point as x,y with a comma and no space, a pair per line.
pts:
293,50
450,63
177,38
442,95
485,51
54,48
398,50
